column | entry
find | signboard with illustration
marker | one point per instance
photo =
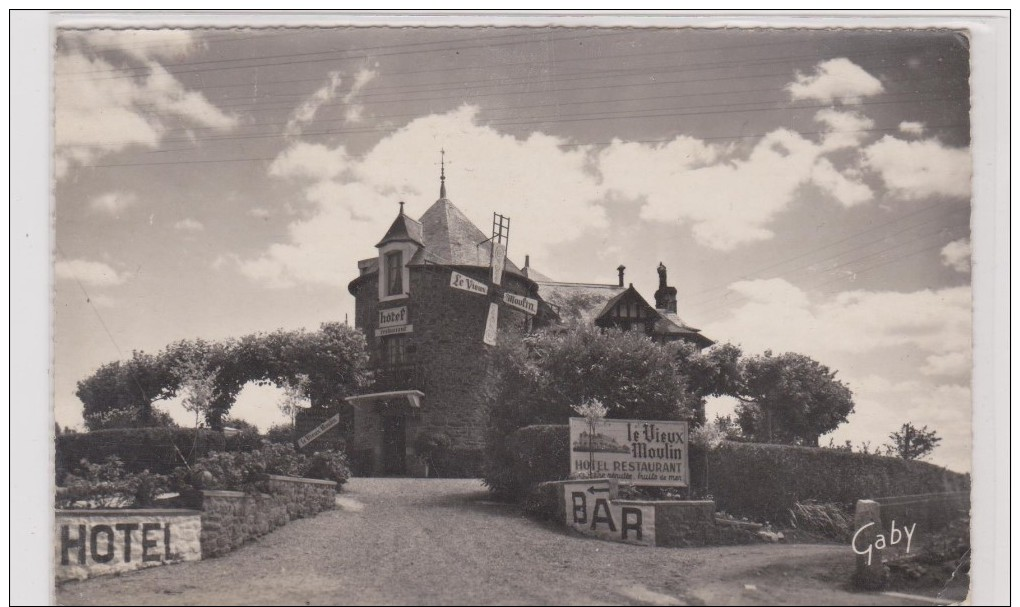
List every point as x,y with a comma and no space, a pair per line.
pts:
633,451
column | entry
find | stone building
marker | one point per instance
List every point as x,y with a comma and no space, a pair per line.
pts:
428,301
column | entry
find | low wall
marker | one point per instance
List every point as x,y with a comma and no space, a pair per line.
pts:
231,518
99,542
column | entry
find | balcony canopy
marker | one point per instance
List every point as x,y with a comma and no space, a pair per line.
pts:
412,397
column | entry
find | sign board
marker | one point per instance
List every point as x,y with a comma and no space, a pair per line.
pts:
524,304
459,281
498,262
638,452
491,324
590,511
318,431
392,317
394,330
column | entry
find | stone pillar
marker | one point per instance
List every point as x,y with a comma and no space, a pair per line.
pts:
871,573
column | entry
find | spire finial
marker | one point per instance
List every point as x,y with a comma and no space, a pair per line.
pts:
442,173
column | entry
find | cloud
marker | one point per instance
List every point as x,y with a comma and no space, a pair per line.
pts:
835,80
310,161
352,200
951,364
956,255
143,44
189,225
730,197
92,273
306,112
102,107
353,112
113,203
913,170
912,128
260,213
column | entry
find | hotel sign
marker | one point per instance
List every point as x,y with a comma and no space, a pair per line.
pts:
318,431
524,304
394,330
392,317
637,452
459,281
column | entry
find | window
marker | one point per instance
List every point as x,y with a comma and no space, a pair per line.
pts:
395,350
395,273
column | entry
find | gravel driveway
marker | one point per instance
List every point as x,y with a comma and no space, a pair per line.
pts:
426,541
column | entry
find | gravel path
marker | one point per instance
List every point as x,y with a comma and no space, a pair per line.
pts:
418,541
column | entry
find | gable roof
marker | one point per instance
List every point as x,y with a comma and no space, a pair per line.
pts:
581,301
628,292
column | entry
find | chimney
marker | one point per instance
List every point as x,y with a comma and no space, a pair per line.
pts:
619,271
665,297
527,261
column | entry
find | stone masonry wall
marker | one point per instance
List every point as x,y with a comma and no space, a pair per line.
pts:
231,518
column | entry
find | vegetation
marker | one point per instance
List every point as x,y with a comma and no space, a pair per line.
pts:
249,470
109,485
912,443
329,364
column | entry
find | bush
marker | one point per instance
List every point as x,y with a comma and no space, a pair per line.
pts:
158,450
109,485
757,481
248,471
329,466
457,462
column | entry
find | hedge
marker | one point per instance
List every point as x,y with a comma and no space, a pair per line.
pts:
761,482
456,462
152,449
765,481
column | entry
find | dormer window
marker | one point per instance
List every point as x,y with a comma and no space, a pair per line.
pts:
395,273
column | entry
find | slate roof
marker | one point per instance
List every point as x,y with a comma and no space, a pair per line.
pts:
403,229
577,300
450,238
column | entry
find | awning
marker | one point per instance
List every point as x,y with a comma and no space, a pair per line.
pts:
413,397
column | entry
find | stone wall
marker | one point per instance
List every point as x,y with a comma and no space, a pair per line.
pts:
231,518
100,542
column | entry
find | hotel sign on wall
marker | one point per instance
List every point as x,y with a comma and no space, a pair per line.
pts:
393,321
638,452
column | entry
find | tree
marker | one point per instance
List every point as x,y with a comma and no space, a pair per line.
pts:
295,397
198,384
790,398
913,443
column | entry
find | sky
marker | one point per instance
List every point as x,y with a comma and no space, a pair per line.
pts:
808,190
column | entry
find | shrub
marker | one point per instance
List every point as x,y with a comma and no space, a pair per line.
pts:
159,450
109,485
329,466
757,481
457,462
280,434
248,471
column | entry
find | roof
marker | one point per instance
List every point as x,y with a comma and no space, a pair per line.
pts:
577,300
450,238
403,229
671,324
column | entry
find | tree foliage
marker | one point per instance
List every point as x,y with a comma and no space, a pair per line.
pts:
913,443
334,359
790,399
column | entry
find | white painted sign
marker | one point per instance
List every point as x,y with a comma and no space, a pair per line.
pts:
459,281
491,324
524,304
590,510
392,317
98,542
394,330
318,431
498,262
638,452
